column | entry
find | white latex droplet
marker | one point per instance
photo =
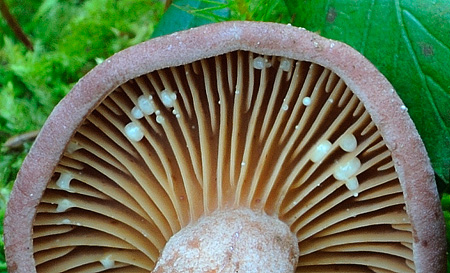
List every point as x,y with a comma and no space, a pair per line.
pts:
137,113
285,64
133,132
345,170
64,205
72,147
320,150
107,262
352,183
176,114
63,181
261,63
146,105
348,143
160,119
306,101
168,98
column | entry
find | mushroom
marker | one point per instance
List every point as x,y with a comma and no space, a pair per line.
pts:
232,146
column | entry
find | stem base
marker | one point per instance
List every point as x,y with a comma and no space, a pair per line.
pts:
238,240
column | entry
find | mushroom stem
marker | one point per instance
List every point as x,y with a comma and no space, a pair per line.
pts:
238,240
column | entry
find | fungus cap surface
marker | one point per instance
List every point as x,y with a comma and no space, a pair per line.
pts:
262,116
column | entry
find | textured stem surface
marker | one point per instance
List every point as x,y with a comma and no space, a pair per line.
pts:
231,241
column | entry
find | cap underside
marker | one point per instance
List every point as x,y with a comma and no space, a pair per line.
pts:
269,133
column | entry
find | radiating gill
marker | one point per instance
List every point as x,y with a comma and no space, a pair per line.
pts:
294,105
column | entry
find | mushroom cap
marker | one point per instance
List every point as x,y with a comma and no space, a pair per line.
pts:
378,97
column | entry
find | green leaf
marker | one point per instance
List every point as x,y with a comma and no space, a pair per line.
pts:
259,10
409,42
185,14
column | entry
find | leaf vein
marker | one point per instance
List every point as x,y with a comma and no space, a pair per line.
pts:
419,24
413,54
367,27
408,43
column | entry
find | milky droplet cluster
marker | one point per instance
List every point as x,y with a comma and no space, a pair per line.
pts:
145,107
345,170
